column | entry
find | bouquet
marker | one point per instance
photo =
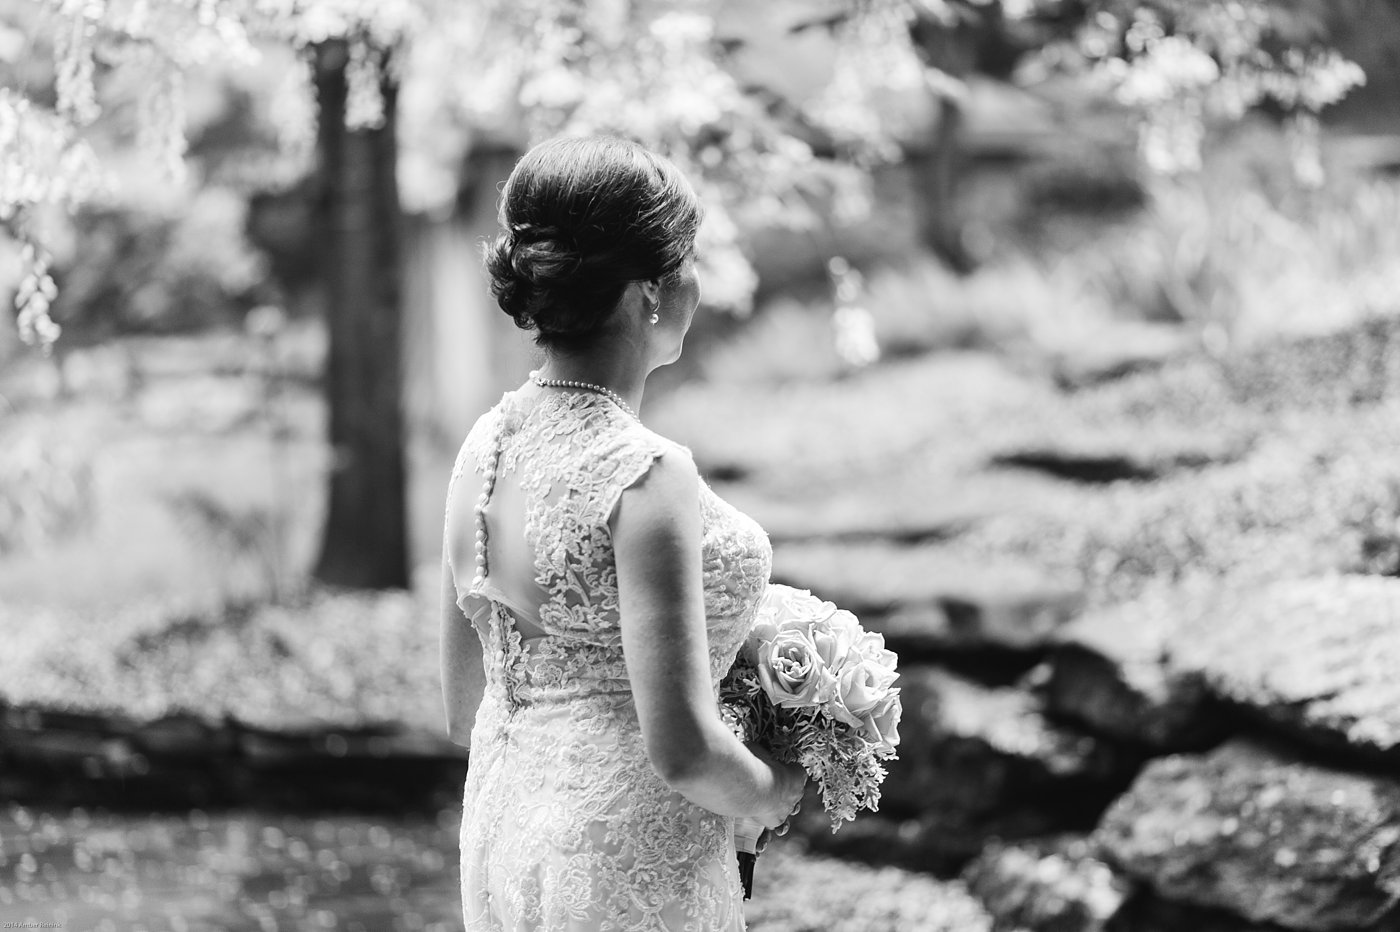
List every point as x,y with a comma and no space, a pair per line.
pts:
816,689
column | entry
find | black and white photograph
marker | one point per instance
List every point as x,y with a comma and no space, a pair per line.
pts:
700,465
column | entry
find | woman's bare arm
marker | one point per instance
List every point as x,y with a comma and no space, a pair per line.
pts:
656,540
463,673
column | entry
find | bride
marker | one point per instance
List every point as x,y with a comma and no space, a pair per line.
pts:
595,590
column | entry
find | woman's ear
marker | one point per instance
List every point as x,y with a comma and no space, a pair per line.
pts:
651,293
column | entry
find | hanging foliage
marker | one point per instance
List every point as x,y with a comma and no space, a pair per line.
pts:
1183,63
653,70
647,69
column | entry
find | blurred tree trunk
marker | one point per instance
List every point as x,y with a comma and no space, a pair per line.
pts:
364,543
10,344
941,227
950,46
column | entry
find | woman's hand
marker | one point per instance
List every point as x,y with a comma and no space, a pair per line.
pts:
789,782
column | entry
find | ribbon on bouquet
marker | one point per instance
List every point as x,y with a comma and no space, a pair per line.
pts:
746,834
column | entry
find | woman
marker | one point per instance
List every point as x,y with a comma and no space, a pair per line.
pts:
608,588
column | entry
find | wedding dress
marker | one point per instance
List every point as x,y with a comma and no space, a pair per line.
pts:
565,824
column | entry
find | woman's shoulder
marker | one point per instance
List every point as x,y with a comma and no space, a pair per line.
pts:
623,454
670,445
671,455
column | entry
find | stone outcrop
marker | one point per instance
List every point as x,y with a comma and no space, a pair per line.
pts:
1061,888
977,763
855,517
1314,660
974,749
177,761
1057,885
1220,755
1116,349
1288,829
1263,836
928,607
1112,670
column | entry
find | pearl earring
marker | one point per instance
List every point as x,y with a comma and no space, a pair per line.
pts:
655,318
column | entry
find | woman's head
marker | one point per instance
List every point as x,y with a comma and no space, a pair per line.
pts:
582,217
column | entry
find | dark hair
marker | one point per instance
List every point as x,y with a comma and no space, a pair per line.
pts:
582,216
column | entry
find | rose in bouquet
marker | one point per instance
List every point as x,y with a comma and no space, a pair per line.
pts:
814,688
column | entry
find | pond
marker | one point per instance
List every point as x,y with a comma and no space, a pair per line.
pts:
228,871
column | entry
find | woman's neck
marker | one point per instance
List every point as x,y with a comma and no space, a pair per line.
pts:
605,370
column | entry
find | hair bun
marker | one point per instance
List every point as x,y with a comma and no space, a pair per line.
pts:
528,269
582,217
545,261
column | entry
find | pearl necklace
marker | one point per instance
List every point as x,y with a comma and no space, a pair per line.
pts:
489,480
543,382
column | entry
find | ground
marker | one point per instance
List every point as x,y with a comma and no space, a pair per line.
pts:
162,513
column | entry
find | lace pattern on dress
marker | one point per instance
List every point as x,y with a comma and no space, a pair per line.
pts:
565,824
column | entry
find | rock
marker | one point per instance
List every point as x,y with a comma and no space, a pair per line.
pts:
943,709
940,841
1314,659
1112,350
412,743
183,736
1380,553
1009,618
322,745
261,748
1112,671
1059,888
1147,912
795,892
31,718
60,747
1355,365
927,601
1077,467
872,514
1267,838
1094,453
55,740
1018,620
180,761
977,762
1141,702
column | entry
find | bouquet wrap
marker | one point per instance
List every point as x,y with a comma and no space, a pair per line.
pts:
746,835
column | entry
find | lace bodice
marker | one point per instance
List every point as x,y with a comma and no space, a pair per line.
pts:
565,824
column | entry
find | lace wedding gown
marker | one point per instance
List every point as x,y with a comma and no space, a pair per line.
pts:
565,824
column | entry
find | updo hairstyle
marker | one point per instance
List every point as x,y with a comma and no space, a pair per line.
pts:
581,218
